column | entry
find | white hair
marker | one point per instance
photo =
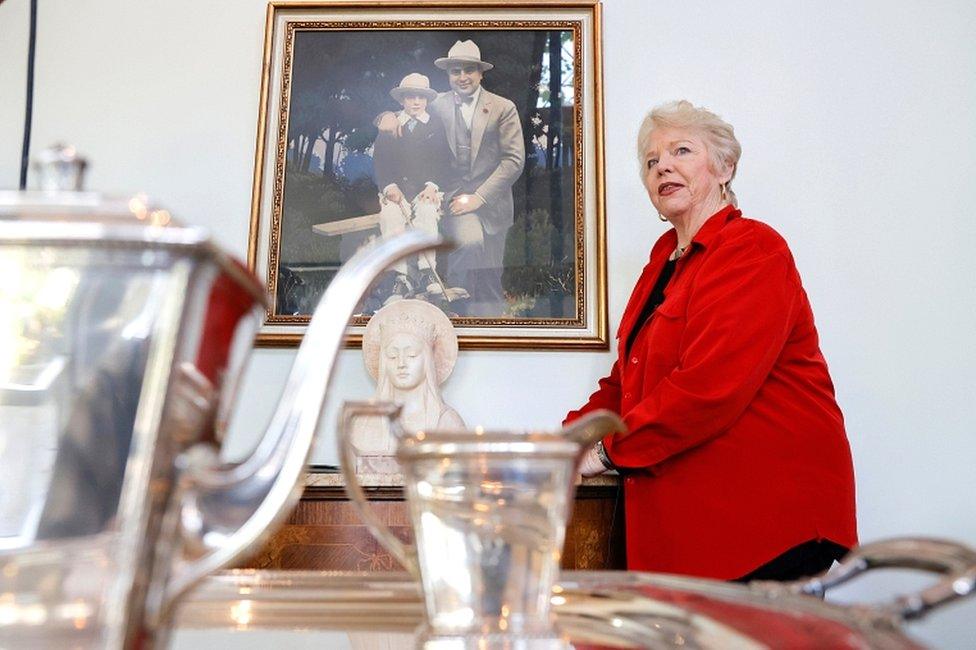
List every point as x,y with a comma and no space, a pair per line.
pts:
719,136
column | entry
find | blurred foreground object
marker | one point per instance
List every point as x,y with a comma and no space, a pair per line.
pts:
594,610
122,338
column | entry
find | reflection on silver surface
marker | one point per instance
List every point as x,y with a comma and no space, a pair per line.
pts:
29,398
119,335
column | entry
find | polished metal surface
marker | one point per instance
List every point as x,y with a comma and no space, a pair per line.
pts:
956,562
60,168
593,609
122,335
489,511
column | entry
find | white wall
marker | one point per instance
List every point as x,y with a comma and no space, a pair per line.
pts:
856,120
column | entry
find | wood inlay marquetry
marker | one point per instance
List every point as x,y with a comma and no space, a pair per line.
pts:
325,533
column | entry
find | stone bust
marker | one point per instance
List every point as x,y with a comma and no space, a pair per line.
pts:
409,348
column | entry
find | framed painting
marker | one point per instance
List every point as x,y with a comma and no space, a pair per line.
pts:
481,121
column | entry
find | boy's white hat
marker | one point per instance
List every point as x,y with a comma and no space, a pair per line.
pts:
414,84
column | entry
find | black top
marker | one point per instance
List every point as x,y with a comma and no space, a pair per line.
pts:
653,300
808,559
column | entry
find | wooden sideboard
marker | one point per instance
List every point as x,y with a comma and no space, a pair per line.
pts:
325,533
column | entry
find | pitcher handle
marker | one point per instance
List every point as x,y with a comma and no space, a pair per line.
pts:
593,427
406,554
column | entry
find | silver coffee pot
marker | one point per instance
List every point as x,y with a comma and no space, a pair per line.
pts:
122,337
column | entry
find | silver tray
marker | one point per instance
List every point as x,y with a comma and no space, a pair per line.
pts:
258,609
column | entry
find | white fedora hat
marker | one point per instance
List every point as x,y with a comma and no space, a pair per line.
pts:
413,84
463,52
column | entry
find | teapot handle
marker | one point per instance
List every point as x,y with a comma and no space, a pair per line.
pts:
406,554
956,561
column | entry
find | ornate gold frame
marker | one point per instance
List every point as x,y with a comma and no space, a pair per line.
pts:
588,331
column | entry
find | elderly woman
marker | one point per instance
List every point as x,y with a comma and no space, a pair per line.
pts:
736,465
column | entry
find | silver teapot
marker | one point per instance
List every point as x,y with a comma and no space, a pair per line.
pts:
122,337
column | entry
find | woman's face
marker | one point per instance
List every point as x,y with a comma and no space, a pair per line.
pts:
678,173
404,360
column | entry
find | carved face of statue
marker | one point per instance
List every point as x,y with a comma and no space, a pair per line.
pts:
404,361
430,332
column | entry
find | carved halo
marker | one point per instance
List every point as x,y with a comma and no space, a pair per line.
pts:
421,319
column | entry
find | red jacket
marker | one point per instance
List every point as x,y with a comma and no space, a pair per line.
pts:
736,444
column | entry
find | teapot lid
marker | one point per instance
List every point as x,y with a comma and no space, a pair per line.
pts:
61,210
72,215
95,221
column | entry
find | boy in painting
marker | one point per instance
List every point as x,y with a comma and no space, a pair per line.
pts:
409,170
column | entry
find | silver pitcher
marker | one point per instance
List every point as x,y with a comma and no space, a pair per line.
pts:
489,512
122,337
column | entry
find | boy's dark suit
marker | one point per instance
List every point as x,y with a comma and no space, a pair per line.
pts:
418,156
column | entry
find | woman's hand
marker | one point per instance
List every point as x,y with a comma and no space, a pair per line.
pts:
592,465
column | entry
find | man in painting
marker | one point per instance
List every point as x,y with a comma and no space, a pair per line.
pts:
484,135
408,171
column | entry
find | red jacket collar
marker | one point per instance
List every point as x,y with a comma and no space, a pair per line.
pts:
659,254
714,225
705,235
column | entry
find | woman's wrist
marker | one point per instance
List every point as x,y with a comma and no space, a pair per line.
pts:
591,464
601,453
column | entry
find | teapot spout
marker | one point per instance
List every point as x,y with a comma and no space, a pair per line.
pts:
226,512
593,427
